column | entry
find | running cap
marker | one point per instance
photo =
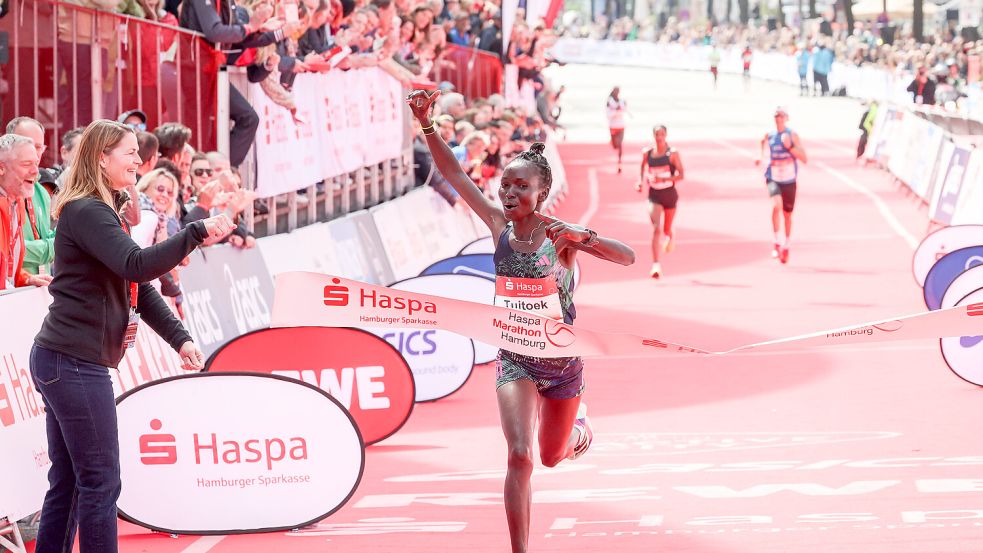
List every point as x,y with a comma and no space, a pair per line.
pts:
780,110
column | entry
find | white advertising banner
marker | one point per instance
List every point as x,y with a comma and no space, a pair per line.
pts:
345,120
23,443
969,207
941,242
420,228
233,452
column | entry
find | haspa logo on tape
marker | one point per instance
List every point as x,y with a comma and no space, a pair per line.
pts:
481,245
338,295
478,264
362,371
964,354
966,283
458,287
945,271
226,453
940,243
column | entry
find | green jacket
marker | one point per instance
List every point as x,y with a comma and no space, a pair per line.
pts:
871,117
40,251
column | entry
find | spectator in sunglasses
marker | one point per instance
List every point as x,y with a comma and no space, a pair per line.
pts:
135,119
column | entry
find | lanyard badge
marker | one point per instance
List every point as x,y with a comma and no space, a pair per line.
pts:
130,336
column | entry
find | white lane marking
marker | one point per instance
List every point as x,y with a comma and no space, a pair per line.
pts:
203,544
595,198
882,207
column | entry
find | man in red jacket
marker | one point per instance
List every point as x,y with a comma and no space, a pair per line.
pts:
18,173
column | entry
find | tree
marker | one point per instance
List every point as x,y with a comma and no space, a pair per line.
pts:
745,11
812,9
918,19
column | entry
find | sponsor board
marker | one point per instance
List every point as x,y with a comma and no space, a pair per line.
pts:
950,184
945,270
964,354
941,242
963,285
476,264
969,208
481,245
362,371
352,119
228,292
441,361
23,443
221,453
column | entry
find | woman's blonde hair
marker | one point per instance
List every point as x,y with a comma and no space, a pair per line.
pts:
86,178
145,181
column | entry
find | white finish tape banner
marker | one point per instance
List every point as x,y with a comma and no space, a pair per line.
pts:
311,299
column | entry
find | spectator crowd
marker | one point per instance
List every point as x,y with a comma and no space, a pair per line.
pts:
175,186
942,66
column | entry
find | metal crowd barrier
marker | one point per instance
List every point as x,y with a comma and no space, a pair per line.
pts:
66,65
473,72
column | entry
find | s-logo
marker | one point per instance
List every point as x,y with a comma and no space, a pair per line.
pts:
975,310
158,449
334,295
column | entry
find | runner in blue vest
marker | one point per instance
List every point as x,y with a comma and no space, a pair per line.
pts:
785,152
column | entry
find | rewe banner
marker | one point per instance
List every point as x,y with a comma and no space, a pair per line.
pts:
222,453
363,372
308,299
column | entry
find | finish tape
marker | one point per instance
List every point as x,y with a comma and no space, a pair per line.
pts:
313,299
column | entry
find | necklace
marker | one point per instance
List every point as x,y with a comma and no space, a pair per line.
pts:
531,235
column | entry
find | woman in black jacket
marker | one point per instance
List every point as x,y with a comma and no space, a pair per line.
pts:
99,292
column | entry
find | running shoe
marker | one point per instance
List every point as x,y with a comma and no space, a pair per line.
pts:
669,244
582,425
776,251
783,256
656,271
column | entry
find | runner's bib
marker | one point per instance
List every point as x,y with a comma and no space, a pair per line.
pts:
532,295
783,170
657,171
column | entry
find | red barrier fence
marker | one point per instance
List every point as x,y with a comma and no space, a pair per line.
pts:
66,65
474,73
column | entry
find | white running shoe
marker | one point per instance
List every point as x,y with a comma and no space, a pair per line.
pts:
582,425
669,244
656,271
776,250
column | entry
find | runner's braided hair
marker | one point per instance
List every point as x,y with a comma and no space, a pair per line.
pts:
534,155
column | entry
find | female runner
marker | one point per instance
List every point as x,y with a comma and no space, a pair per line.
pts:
616,108
661,169
538,250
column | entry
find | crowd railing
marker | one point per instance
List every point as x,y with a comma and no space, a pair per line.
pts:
68,65
473,72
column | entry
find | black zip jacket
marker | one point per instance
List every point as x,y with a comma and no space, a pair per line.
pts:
95,261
